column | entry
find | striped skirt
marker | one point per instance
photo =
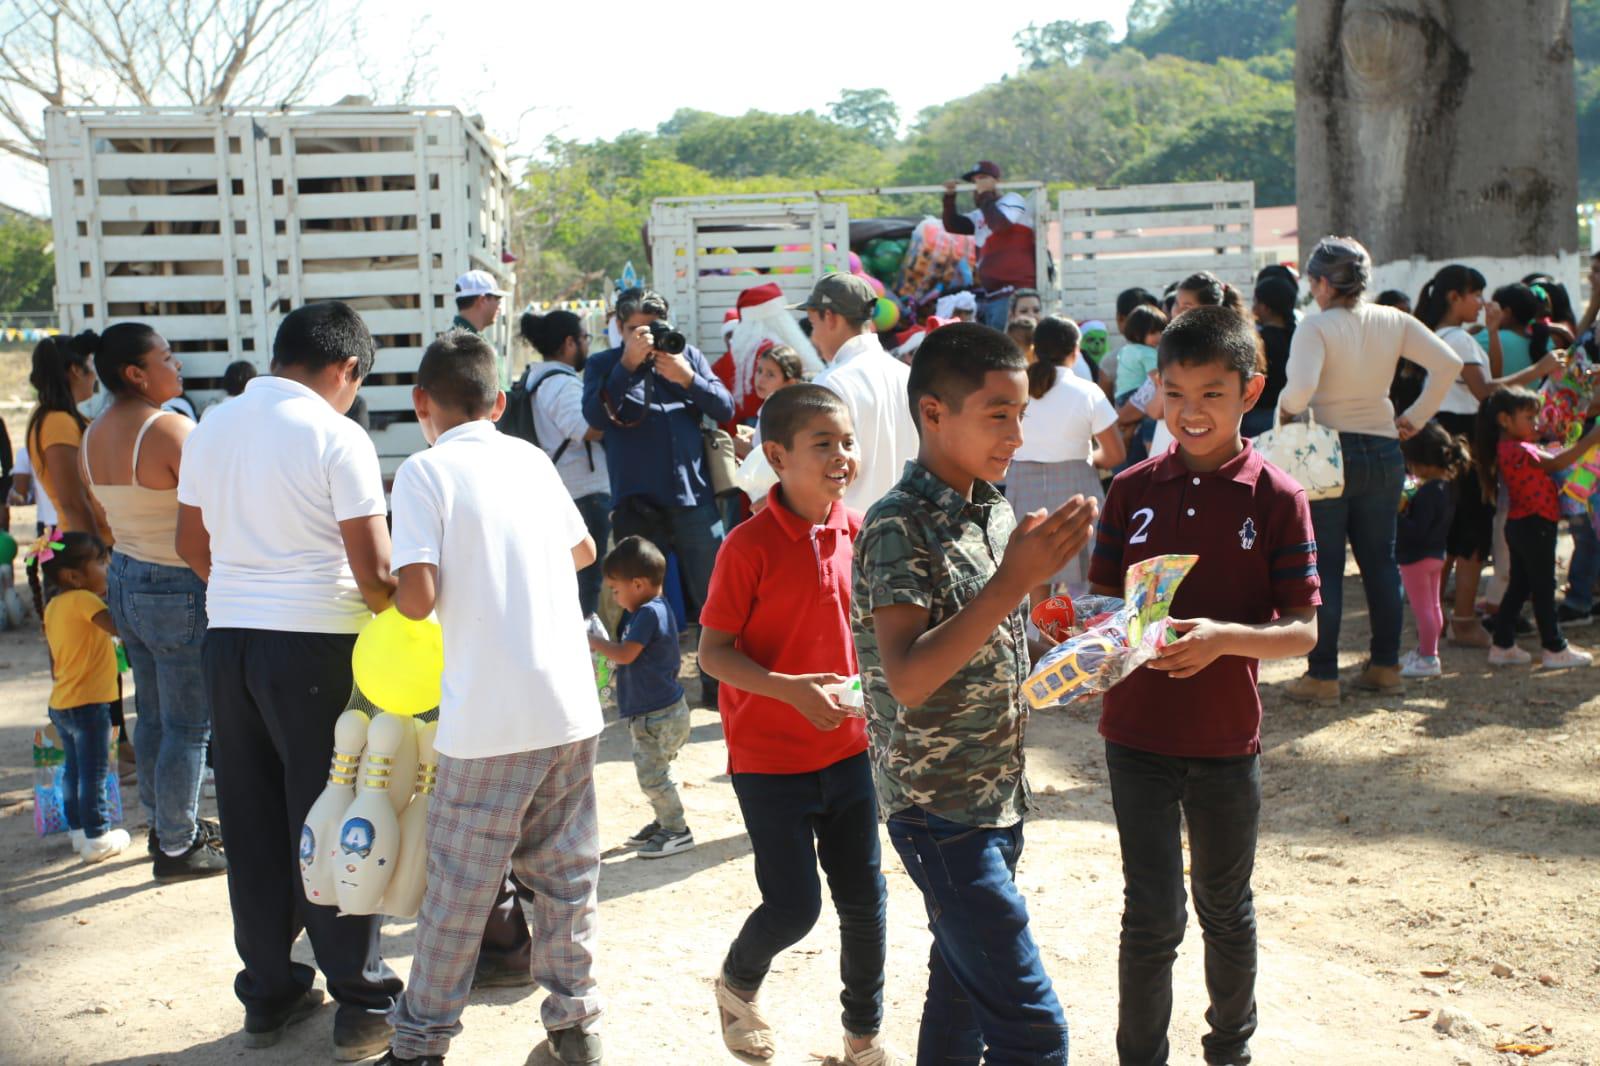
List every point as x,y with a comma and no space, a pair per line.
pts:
1036,486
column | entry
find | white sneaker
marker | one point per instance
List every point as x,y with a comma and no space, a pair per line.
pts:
101,848
1416,664
1512,656
1568,656
76,838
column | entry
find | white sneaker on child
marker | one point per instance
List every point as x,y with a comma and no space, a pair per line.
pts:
1512,656
1416,664
1568,656
76,838
98,849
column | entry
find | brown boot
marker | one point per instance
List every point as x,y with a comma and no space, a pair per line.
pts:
1308,689
1380,679
1468,633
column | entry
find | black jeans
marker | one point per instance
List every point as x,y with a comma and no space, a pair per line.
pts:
274,697
796,821
1532,541
1220,800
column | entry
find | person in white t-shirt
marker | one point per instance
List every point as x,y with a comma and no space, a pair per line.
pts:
871,382
520,717
1451,300
281,513
1069,434
24,491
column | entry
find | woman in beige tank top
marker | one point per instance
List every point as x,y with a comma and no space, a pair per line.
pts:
130,458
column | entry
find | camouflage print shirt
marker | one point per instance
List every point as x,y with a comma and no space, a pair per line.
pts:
959,755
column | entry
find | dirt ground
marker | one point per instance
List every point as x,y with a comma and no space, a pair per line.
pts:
1433,852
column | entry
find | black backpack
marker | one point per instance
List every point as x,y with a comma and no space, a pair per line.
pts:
518,417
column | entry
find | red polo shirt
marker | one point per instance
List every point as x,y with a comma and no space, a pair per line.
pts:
1250,525
782,586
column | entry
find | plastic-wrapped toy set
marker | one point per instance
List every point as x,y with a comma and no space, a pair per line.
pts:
1117,636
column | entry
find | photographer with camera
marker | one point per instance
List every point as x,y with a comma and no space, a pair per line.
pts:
652,397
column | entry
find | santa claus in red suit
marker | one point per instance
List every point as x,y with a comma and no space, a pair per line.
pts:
763,319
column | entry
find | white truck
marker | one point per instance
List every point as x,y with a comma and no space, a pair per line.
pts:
1100,241
212,224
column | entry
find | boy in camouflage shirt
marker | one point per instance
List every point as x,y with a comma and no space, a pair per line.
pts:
942,570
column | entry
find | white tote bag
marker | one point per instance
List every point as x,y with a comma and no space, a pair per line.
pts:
1307,452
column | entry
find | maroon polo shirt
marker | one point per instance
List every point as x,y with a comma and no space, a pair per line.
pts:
782,587
1250,525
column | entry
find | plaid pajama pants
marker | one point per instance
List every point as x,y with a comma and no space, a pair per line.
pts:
534,812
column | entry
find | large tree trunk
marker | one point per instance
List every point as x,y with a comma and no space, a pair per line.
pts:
1438,131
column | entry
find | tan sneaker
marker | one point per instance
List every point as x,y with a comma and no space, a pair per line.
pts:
1380,679
1308,689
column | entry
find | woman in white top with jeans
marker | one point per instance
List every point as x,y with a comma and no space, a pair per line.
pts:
1340,364
1069,434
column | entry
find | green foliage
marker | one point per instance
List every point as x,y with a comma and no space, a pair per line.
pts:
1063,41
1254,142
758,143
871,112
27,265
1079,124
1207,30
1084,110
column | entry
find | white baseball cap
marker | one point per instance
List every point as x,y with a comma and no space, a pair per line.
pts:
479,283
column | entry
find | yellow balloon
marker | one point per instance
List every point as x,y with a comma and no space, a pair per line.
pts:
398,663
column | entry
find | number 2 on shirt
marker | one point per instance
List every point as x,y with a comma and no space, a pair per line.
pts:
1144,516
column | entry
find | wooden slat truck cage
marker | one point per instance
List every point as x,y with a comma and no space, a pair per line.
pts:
1149,235
212,224
684,229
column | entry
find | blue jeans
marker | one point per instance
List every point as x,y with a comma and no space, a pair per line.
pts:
796,821
86,744
1365,513
596,512
995,312
989,999
160,613
1220,800
697,533
1585,568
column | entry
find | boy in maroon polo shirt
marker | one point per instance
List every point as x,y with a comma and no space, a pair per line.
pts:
1183,733
775,630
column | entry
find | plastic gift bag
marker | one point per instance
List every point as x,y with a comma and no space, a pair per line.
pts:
49,767
1118,638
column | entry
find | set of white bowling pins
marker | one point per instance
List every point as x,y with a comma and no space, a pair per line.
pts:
363,846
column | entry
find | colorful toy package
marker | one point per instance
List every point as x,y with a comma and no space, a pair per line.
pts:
1117,639
936,262
1566,400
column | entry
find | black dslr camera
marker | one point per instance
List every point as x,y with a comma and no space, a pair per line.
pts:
663,338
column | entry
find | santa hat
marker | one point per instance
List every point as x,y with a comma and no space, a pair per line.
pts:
764,316
730,319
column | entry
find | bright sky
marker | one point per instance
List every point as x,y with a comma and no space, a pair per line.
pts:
591,70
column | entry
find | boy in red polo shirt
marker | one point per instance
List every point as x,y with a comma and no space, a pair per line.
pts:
775,630
1183,732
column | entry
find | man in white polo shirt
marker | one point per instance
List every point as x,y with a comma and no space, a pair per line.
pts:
871,382
281,512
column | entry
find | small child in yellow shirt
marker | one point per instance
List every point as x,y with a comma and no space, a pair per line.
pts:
83,665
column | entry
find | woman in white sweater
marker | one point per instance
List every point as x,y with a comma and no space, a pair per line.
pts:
1340,364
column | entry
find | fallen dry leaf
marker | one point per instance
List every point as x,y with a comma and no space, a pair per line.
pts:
1437,971
1418,1013
1525,1050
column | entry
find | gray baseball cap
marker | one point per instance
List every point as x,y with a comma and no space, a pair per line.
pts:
844,294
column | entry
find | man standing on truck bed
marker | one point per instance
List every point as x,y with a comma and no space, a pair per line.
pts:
1003,226
478,300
